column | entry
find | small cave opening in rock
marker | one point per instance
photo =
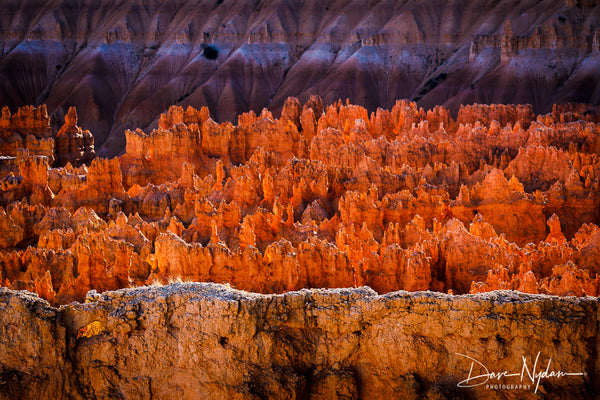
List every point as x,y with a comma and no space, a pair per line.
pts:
211,52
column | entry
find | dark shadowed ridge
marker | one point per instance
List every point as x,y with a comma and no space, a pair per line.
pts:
123,65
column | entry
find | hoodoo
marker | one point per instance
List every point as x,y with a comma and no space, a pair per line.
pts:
324,196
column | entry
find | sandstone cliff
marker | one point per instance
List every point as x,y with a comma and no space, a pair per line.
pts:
198,340
29,128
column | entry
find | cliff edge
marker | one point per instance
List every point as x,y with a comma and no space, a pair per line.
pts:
203,340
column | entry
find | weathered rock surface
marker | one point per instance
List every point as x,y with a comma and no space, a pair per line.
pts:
325,196
123,64
197,340
30,129
73,144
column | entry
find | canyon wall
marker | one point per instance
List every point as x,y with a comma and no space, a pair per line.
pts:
123,64
207,341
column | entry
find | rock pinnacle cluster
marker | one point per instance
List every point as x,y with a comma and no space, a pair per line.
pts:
325,196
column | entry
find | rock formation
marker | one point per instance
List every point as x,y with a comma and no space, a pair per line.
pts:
123,64
74,145
241,237
198,340
324,196
30,128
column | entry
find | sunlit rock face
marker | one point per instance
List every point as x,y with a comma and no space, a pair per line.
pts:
30,129
324,196
123,64
198,340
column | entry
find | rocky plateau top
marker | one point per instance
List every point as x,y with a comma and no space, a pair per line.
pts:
208,341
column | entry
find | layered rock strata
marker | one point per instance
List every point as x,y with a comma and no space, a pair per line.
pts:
123,64
199,340
29,128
